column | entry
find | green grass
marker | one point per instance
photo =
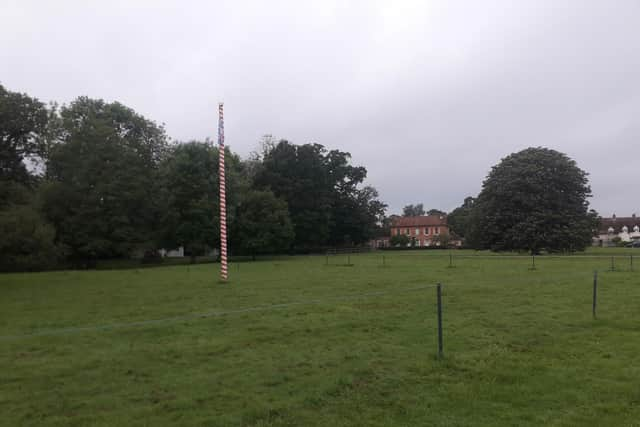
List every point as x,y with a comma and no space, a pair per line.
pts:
325,345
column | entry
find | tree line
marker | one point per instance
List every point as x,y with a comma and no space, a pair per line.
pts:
96,180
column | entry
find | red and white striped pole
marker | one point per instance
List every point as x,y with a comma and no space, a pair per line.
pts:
224,272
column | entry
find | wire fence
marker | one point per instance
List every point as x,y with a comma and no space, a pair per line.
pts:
613,262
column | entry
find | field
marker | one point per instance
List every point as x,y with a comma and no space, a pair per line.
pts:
295,342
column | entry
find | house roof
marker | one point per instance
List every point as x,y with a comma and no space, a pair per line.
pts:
618,222
420,221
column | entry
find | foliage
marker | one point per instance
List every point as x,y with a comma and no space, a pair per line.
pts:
264,224
190,206
23,125
112,187
533,200
459,219
102,196
27,241
386,223
436,212
442,239
321,189
401,240
413,210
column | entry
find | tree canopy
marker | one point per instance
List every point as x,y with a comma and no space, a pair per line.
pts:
103,180
110,184
413,210
264,225
23,126
459,219
436,212
321,189
533,200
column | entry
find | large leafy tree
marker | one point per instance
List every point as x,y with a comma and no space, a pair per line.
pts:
321,188
190,198
102,196
300,176
27,241
190,194
357,218
459,219
264,225
23,127
413,210
533,200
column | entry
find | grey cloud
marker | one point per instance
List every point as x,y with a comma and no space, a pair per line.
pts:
427,95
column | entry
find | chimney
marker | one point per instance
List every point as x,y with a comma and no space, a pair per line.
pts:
614,217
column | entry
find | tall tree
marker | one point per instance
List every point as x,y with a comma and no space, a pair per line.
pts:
413,210
190,198
533,200
459,219
190,212
321,188
27,241
264,225
104,180
436,212
23,127
298,175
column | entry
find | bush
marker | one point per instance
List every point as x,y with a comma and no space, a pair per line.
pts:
27,242
400,240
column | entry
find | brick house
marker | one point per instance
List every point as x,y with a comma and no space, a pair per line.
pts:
421,230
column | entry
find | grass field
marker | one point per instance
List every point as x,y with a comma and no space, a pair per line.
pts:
295,342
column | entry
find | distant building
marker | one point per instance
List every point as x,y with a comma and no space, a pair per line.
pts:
422,231
172,253
626,228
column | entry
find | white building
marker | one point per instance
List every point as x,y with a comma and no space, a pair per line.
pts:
625,228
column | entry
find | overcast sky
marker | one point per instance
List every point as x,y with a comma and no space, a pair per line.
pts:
427,95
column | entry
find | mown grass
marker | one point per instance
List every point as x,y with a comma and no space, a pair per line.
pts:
325,344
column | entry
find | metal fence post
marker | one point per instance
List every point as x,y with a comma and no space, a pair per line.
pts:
439,298
595,293
613,267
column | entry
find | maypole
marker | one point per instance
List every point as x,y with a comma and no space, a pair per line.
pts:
224,272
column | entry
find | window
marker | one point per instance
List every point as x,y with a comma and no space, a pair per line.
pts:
417,231
426,231
407,231
437,230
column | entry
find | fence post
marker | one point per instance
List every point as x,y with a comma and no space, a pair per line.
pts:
348,259
613,267
450,260
631,262
595,293
439,298
383,261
